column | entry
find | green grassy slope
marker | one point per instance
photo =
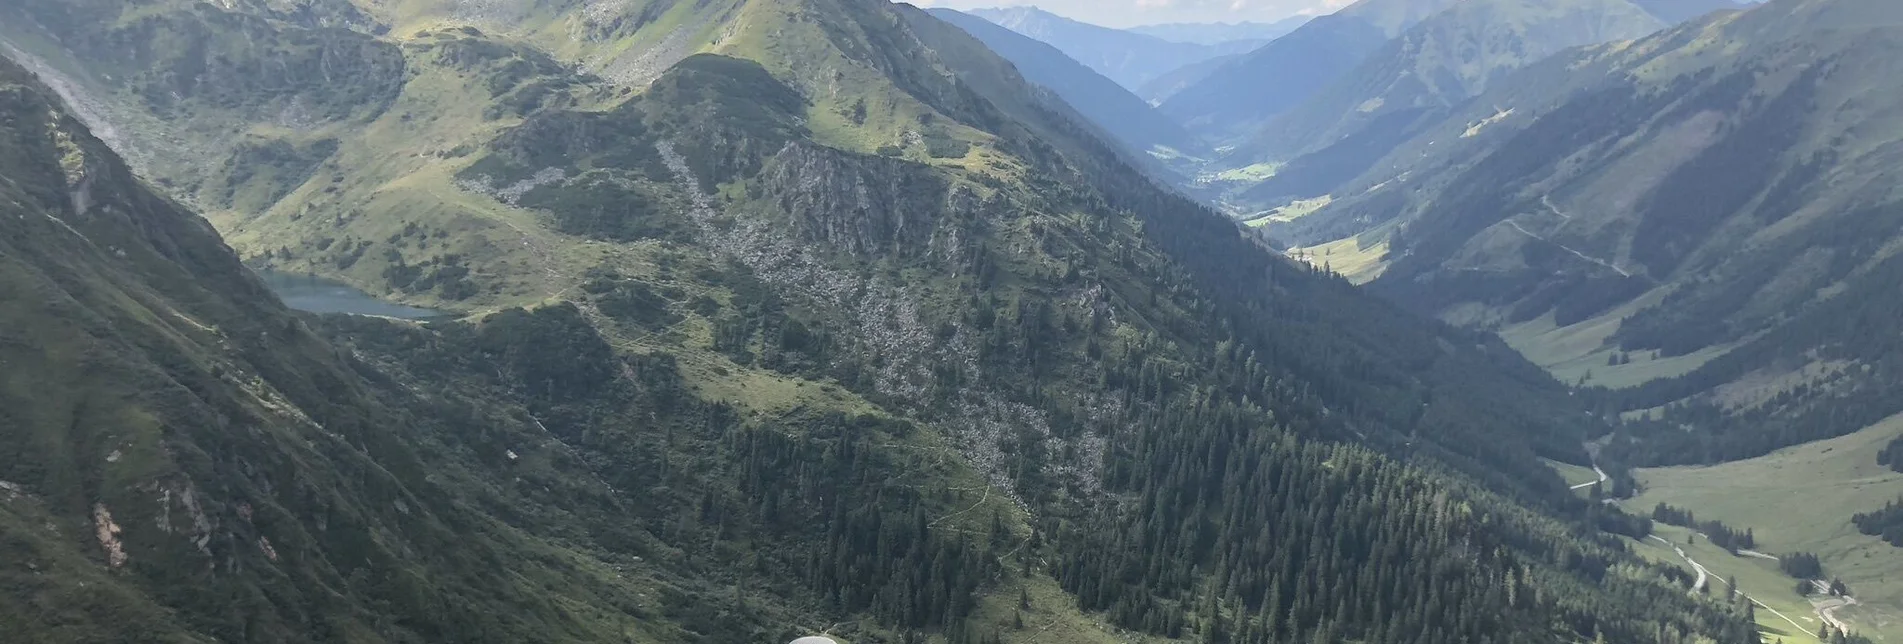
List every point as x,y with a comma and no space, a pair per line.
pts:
1780,613
1800,499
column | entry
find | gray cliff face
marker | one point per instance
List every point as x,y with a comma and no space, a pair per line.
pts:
862,206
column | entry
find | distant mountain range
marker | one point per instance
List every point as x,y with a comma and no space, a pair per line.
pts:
1122,115
1232,101
1218,33
1127,57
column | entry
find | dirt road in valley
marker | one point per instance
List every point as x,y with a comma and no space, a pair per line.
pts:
1826,609
1602,479
1704,577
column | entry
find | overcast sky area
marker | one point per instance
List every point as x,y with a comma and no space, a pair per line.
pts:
1129,13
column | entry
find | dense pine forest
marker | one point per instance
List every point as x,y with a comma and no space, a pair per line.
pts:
1721,535
1886,523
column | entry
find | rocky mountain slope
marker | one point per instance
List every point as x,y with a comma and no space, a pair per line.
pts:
834,321
1705,211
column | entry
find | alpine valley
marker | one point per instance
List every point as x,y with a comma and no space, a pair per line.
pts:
773,318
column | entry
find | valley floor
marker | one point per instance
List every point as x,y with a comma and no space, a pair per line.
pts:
1798,499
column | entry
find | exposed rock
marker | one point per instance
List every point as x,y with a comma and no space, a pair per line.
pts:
107,533
512,194
860,204
886,317
184,497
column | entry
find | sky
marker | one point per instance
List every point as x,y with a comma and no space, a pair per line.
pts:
1129,13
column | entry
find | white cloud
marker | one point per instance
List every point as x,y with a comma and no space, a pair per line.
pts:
1127,13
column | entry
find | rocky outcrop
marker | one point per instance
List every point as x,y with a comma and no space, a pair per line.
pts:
864,206
107,533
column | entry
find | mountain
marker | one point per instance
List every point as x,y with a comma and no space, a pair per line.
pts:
1131,59
1416,80
1677,11
1707,233
1217,33
1127,119
187,461
832,320
1231,102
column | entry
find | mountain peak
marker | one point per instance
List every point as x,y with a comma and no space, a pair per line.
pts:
1395,16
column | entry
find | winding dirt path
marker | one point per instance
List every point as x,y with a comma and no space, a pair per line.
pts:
1704,577
1602,478
1827,609
1516,226
1547,200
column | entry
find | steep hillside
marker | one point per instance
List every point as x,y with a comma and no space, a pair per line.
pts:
1127,119
187,462
1129,58
862,329
1417,79
1709,209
